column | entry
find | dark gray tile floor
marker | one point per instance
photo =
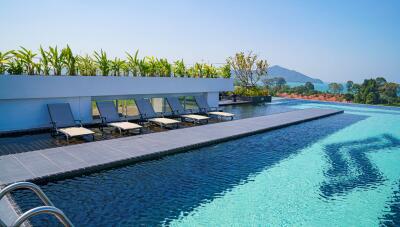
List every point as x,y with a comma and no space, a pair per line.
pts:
39,164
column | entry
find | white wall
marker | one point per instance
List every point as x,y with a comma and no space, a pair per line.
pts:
23,99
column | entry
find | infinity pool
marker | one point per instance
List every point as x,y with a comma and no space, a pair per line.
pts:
338,171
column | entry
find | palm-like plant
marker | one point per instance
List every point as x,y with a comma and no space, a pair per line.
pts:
116,66
102,62
143,67
209,71
133,63
44,62
86,66
225,71
26,56
69,61
151,66
4,60
164,67
56,60
15,66
179,68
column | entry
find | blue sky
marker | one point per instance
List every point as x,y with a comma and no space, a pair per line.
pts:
330,40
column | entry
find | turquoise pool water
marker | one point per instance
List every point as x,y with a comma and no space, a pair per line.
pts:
342,170
323,185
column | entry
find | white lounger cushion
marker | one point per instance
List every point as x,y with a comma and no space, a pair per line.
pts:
222,114
165,121
196,117
125,125
76,131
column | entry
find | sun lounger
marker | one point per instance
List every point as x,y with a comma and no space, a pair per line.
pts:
109,116
147,113
63,121
185,115
211,111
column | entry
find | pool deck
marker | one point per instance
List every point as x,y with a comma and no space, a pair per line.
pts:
93,156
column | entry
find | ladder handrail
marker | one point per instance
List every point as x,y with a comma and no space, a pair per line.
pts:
43,210
27,185
49,207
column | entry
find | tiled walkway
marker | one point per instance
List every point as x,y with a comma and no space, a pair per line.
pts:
41,164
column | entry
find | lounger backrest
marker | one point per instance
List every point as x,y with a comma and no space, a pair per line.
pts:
108,111
175,105
61,114
145,108
202,102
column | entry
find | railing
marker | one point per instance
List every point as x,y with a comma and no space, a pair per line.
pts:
48,209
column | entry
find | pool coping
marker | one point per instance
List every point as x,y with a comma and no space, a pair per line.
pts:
284,119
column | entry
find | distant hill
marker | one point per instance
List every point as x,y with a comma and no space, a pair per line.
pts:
290,75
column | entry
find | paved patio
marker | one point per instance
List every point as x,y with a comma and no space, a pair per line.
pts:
76,159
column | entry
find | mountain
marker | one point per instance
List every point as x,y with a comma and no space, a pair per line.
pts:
290,75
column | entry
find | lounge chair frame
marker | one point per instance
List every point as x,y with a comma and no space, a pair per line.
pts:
105,122
58,130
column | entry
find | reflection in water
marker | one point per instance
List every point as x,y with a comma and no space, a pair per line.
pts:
350,167
393,217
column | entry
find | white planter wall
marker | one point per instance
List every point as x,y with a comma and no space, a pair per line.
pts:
23,99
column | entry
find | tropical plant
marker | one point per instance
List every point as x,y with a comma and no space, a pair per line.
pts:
247,68
133,63
164,68
86,66
152,66
4,60
56,60
179,68
143,67
209,71
26,56
225,71
69,61
116,66
15,67
44,62
102,62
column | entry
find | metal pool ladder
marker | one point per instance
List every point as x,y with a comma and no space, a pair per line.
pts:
49,207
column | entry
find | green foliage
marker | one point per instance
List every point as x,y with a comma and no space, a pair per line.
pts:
26,57
225,71
163,67
56,60
247,68
116,66
209,71
44,62
179,68
4,60
86,66
349,86
335,88
250,91
102,62
15,67
69,61
133,63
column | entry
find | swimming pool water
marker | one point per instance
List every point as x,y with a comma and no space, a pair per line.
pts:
337,171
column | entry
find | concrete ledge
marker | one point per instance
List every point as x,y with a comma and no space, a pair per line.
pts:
42,165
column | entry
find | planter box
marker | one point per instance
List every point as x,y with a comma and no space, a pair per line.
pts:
23,98
257,99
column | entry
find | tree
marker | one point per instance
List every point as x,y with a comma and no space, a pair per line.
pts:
349,86
309,86
274,82
335,88
247,68
389,92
